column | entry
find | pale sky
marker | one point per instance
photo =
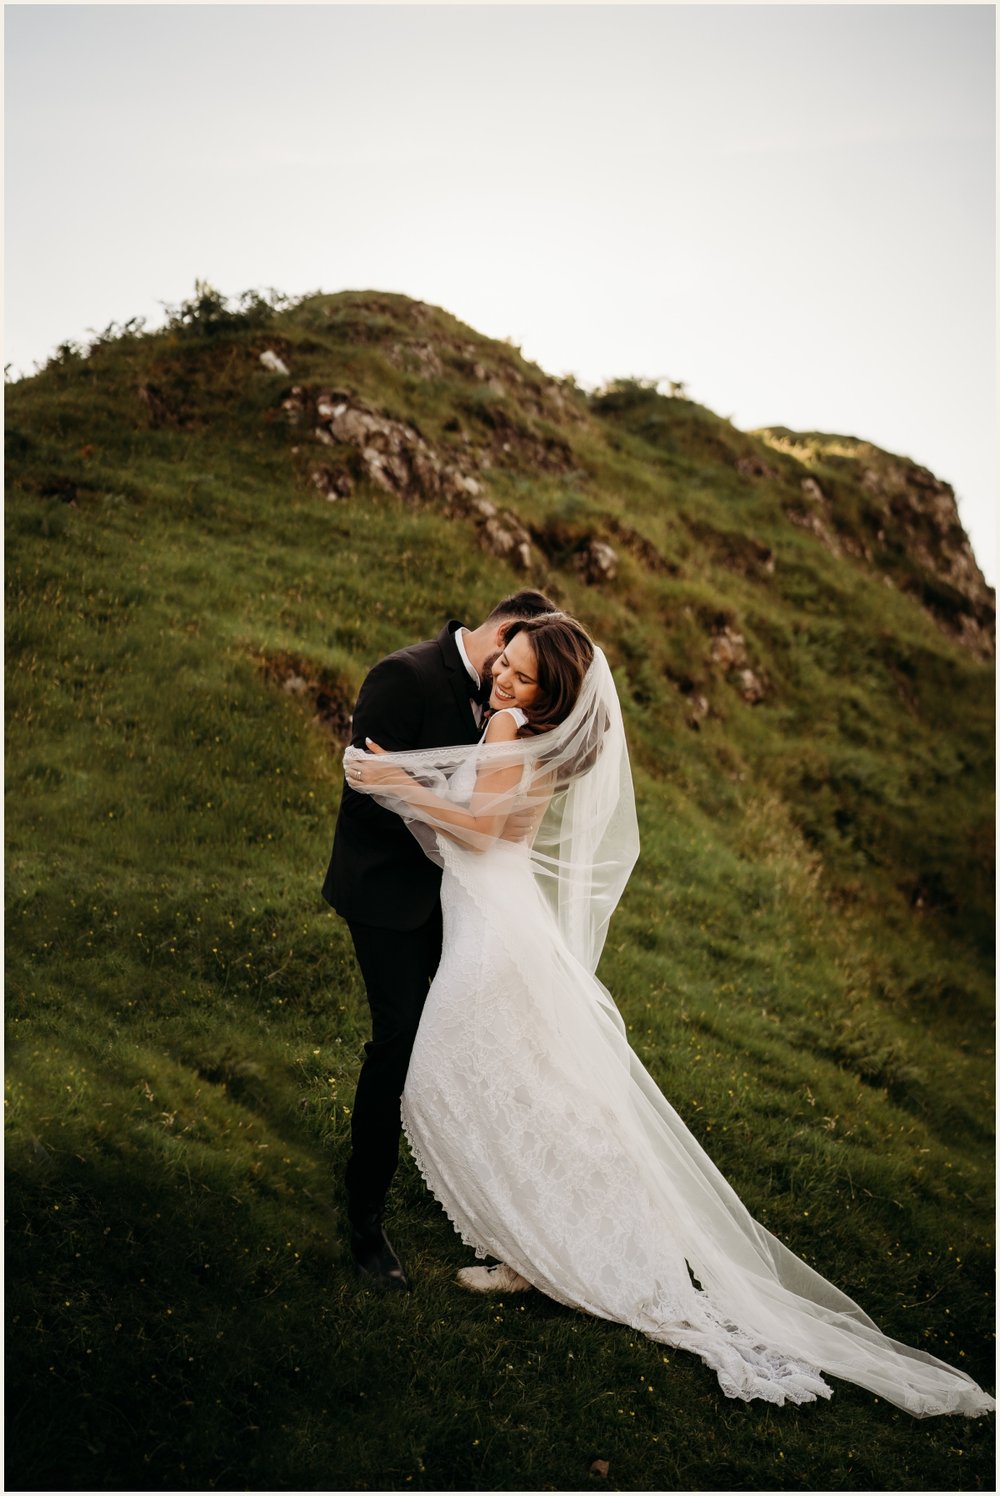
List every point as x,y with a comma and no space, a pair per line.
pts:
788,207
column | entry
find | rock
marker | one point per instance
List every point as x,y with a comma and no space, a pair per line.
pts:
294,405
855,548
505,536
416,357
384,469
812,490
272,362
815,524
354,427
698,709
454,484
426,469
729,648
331,484
597,562
295,685
751,687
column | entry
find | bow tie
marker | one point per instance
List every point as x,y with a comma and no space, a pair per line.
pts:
481,694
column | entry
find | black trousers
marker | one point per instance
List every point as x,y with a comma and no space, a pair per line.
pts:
397,967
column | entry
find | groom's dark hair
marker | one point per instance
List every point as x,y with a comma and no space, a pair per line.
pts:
523,605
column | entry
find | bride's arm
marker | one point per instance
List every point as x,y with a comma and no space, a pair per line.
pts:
491,800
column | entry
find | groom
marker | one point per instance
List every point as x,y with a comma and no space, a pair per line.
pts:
430,695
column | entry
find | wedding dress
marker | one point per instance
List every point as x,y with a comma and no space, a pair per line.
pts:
540,1132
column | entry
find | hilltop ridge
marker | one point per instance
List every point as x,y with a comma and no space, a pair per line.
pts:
437,412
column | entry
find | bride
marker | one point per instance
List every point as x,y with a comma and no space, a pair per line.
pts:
537,1128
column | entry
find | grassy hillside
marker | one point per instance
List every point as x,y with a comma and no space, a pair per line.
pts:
204,556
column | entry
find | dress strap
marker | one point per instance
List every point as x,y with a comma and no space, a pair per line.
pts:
514,711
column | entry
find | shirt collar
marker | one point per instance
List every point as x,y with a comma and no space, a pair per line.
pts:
460,644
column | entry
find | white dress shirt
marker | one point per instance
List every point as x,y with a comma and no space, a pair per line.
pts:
477,710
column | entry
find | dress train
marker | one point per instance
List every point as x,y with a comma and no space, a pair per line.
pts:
551,1148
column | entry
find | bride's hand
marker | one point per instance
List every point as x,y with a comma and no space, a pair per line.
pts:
368,770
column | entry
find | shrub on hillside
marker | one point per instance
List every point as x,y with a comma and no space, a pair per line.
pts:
209,313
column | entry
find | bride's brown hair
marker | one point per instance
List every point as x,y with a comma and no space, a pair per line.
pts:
563,652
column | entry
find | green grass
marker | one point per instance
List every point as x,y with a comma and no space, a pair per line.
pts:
803,955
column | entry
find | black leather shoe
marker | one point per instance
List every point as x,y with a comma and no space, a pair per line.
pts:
374,1258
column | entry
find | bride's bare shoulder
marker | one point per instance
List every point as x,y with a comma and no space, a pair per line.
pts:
503,727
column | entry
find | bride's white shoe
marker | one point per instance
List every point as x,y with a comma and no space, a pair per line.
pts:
499,1279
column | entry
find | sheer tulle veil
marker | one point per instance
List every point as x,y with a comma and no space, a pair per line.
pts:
563,802
570,791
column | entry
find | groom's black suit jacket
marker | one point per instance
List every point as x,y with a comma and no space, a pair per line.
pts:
419,697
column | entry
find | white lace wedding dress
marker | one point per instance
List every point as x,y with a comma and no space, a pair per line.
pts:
551,1148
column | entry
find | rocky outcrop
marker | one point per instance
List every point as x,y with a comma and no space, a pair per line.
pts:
919,511
395,457
389,453
908,527
729,651
924,509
